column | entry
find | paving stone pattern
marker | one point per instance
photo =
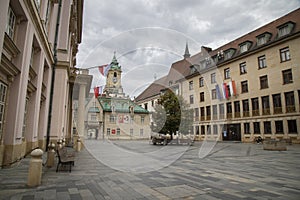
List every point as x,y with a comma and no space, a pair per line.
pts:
229,171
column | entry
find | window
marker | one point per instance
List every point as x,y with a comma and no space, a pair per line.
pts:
196,111
142,119
191,85
202,130
246,108
244,48
285,29
261,40
208,113
131,119
3,91
277,103
201,96
292,126
118,131
247,128
208,129
152,103
108,131
255,106
215,129
265,105
221,111
287,76
146,106
131,132
112,118
279,126
256,127
237,109
201,82
229,53
262,62
226,73
141,132
215,111
267,127
93,117
213,94
263,82
202,113
289,101
243,69
285,54
229,107
191,99
244,86
213,78
25,117
11,23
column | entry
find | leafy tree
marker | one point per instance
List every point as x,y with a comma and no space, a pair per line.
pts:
172,114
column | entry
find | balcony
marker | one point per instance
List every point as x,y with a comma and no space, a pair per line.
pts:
237,114
246,114
208,117
255,112
196,118
290,109
202,118
229,115
277,110
266,111
215,117
221,116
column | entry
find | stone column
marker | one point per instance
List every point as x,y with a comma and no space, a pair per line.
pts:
35,168
81,105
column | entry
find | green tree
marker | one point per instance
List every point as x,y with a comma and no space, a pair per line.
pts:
172,114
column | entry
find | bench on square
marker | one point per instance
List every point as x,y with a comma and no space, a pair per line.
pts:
65,158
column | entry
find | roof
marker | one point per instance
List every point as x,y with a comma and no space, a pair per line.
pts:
94,110
121,105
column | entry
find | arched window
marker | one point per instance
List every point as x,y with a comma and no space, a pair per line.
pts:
115,74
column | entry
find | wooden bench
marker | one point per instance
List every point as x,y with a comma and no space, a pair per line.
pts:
65,158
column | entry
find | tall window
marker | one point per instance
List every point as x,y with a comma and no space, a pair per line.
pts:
292,126
247,128
256,127
215,129
201,82
141,132
285,54
226,73
142,119
289,101
244,86
3,90
221,111
277,103
208,113
267,127
118,131
215,111
191,85
229,110
255,106
202,130
112,118
237,109
11,23
265,105
213,94
93,117
108,131
146,106
246,108
279,126
213,78
287,76
263,82
191,99
201,96
243,69
262,62
202,113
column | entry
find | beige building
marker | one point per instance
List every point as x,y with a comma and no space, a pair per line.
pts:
112,115
37,40
249,87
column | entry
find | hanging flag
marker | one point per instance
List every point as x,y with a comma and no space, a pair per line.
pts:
230,89
225,90
100,89
219,96
234,88
103,69
96,92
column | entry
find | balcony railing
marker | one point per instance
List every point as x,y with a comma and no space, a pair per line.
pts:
290,109
215,117
246,114
208,117
255,112
221,116
266,111
237,114
277,110
196,118
229,115
202,118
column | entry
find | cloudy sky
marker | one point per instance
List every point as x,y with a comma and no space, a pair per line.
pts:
149,35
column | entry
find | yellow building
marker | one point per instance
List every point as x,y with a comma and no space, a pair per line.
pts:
249,87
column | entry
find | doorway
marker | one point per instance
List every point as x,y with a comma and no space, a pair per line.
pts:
231,132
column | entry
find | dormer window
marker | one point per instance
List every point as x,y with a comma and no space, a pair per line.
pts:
245,46
285,29
229,53
263,38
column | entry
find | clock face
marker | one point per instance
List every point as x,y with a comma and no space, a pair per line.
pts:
115,79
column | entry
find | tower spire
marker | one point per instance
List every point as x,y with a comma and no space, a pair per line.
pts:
186,52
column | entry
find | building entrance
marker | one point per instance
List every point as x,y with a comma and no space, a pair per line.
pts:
231,132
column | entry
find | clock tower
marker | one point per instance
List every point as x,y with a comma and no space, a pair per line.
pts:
113,85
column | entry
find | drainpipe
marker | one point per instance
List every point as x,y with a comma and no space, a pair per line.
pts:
53,75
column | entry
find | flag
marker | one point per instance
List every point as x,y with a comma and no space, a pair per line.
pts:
234,87
96,92
225,90
100,89
230,88
103,69
219,96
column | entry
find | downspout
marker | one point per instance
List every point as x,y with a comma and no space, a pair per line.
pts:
53,75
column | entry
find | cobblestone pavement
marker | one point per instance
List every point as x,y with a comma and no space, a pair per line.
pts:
229,171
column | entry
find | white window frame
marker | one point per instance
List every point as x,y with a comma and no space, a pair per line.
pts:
11,23
3,93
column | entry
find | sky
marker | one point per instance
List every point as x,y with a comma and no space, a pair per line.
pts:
147,36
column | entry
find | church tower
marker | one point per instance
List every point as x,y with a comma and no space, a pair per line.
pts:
186,53
113,85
